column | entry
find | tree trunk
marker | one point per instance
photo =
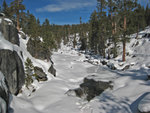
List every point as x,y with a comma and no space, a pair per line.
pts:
125,23
115,31
124,40
18,28
137,32
112,24
124,51
18,24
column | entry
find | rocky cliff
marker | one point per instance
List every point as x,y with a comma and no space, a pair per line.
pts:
12,76
13,55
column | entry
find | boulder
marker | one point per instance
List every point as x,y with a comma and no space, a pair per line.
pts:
12,68
111,66
9,32
126,67
52,70
37,50
40,75
104,62
91,88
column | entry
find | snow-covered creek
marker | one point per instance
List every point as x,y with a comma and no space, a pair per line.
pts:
51,96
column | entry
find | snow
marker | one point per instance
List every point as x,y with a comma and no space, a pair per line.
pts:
0,20
144,104
4,44
128,85
3,105
51,97
8,20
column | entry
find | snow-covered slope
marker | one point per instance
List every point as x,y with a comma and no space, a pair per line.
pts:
129,86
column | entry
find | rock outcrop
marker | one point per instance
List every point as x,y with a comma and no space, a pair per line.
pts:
9,31
52,70
90,88
40,75
4,94
12,68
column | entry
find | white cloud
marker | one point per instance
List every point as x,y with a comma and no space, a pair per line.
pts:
66,5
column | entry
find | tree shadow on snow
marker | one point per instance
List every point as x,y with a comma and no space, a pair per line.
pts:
140,74
111,104
10,110
134,105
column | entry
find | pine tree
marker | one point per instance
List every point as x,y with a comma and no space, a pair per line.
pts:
139,14
82,36
28,72
147,15
102,18
48,37
127,7
16,7
6,9
94,32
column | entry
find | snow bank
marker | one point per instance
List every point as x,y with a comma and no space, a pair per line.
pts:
4,44
144,105
3,105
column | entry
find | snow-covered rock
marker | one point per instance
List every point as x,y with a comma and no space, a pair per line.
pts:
144,104
91,88
9,31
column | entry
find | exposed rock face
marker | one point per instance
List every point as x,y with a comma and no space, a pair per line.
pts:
91,88
41,76
4,94
12,68
9,32
52,70
38,52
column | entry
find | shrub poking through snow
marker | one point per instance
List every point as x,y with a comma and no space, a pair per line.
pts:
33,72
28,72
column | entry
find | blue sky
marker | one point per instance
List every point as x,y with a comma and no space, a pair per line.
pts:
63,11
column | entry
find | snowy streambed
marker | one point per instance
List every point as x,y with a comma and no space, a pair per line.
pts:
129,86
51,97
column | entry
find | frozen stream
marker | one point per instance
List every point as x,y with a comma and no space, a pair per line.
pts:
51,97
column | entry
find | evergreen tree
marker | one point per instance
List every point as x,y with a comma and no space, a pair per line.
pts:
102,18
74,41
127,7
82,36
139,14
48,37
6,9
94,32
16,7
147,15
